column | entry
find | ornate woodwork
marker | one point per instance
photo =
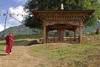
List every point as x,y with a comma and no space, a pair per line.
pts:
71,20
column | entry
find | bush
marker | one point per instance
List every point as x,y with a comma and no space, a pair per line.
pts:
97,31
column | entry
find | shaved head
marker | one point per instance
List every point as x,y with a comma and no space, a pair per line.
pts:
10,33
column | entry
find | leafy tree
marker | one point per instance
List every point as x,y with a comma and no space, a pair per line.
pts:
68,5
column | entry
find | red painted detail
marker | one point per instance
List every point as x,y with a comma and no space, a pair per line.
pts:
64,41
81,42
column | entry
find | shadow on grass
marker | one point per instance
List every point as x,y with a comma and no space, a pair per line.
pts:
26,43
2,50
34,42
3,44
2,54
22,43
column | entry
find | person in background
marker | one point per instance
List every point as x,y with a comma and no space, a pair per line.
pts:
9,43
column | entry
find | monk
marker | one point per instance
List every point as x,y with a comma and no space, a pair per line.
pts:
9,43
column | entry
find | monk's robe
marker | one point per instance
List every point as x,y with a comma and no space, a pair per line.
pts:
9,43
12,38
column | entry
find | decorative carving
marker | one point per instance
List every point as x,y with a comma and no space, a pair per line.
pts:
68,19
81,24
65,23
61,18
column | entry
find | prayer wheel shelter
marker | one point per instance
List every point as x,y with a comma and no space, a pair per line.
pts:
62,20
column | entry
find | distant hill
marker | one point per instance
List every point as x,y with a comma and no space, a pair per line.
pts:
22,30
93,28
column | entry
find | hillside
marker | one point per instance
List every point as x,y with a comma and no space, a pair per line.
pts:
22,30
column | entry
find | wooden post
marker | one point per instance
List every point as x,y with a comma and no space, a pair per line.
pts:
74,35
44,33
46,30
80,33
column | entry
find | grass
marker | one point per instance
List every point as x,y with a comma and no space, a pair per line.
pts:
67,55
1,49
64,54
18,39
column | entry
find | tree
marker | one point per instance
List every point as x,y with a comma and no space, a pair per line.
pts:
68,5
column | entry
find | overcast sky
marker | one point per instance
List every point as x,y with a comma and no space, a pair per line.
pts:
17,9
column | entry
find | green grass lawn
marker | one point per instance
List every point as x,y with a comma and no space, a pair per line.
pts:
67,55
18,39
63,54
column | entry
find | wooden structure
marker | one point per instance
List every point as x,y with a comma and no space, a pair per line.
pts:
62,20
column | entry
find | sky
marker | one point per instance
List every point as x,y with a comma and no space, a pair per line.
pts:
13,7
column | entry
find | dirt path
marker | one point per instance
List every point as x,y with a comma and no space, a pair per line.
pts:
19,58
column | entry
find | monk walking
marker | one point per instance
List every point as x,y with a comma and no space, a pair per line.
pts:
9,43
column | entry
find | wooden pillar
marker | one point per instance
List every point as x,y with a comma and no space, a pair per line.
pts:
44,33
74,35
59,34
64,34
80,33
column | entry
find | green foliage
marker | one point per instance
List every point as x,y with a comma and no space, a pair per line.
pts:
97,32
92,32
32,22
68,5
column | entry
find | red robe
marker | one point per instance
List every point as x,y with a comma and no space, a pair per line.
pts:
9,43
